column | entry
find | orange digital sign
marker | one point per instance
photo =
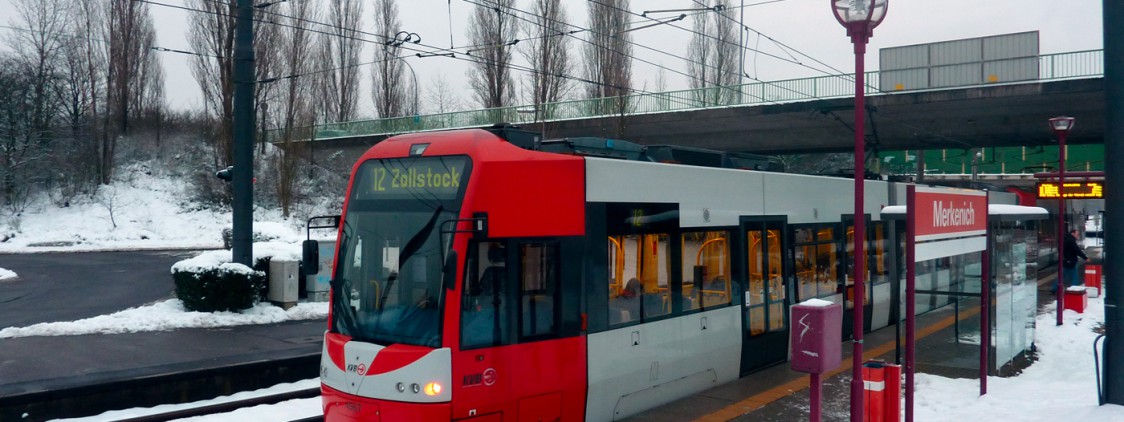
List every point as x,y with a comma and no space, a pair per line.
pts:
1073,190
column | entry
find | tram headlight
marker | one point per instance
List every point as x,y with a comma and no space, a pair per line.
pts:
401,387
415,388
432,389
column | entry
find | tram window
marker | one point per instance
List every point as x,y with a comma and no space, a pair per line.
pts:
776,282
826,266
805,257
642,262
849,276
816,262
539,282
756,294
706,270
879,272
484,313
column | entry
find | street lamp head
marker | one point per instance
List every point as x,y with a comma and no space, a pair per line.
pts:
860,17
1062,124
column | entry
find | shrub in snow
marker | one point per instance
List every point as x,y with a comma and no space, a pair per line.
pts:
207,283
210,282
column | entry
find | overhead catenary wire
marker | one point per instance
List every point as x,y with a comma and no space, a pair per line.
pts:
99,40
840,73
435,51
633,57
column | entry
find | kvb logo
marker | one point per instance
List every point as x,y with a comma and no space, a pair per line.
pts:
358,369
489,376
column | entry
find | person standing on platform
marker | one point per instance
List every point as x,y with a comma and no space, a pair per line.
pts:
1069,262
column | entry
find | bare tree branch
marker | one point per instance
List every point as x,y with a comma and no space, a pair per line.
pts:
387,88
548,51
340,51
712,59
490,75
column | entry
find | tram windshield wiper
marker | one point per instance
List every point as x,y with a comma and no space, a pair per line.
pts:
412,246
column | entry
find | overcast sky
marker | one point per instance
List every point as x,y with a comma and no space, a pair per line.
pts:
806,26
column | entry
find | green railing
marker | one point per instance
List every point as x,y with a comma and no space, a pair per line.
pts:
1079,64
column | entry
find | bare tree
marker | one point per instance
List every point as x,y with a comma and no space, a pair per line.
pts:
548,50
442,96
212,35
608,55
296,104
19,149
78,93
39,45
493,33
340,51
712,59
388,91
267,66
30,101
130,37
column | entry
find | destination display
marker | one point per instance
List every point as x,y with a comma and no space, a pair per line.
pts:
422,178
1073,190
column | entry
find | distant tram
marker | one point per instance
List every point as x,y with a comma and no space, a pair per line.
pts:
482,276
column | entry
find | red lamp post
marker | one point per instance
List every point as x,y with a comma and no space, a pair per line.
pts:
1061,126
860,17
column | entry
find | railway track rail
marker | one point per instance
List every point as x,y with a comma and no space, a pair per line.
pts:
36,403
231,406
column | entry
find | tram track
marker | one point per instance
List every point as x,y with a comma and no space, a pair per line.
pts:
231,406
174,386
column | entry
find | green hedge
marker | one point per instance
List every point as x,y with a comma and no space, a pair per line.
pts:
222,288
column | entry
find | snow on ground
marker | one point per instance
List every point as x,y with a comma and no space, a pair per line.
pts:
149,213
1061,385
168,315
290,410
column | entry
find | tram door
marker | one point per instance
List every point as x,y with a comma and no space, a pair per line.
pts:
765,314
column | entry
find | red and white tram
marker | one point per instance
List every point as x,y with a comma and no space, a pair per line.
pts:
478,280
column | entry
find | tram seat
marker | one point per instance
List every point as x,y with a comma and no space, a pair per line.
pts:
656,304
624,309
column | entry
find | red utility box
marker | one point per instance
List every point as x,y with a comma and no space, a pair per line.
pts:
882,388
816,336
1093,277
1075,299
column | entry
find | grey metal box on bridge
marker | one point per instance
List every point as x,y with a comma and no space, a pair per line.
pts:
965,62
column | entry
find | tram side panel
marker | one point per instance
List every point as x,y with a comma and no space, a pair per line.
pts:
537,372
646,361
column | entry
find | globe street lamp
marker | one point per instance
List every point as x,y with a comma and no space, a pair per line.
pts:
860,17
1061,126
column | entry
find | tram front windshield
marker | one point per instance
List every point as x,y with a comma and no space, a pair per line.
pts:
388,283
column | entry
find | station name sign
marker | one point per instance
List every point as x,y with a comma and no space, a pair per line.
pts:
1073,190
949,215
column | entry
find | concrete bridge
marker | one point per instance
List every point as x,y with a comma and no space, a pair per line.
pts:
792,116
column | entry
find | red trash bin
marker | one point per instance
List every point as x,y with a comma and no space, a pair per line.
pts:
1093,277
892,396
882,392
874,386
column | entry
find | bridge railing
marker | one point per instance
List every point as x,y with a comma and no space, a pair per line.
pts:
1078,64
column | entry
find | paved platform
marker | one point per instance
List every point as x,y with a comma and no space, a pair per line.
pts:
778,394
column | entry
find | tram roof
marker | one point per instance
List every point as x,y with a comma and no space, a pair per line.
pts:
1001,212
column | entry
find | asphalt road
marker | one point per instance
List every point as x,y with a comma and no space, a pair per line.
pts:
70,286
